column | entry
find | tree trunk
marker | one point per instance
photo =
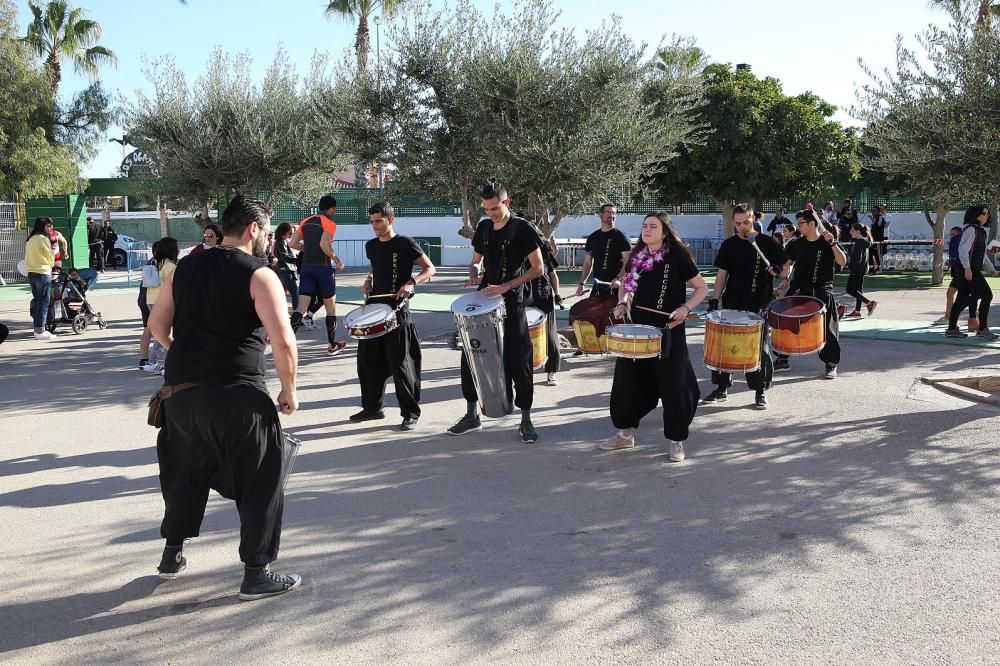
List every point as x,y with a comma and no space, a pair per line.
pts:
362,45
468,229
727,216
54,68
937,276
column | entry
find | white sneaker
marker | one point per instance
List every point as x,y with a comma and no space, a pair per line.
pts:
267,350
551,380
308,323
676,451
44,335
153,367
618,442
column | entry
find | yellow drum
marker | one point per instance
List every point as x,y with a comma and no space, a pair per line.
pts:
539,341
732,340
634,340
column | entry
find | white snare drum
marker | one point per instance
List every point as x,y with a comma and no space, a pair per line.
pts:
479,319
634,340
371,321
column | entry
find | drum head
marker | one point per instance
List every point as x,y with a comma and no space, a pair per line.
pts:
593,307
476,303
368,315
634,331
734,317
797,306
534,315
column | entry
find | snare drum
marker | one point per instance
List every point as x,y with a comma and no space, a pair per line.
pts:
479,319
371,321
589,319
634,340
798,325
539,341
732,340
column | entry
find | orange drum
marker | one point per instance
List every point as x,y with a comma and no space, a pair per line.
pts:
634,341
539,341
732,340
589,318
797,325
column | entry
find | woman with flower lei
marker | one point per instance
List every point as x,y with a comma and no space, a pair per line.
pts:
654,292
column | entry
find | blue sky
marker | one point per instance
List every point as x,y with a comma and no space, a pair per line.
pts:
808,45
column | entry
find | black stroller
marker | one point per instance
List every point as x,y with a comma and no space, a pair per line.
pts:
69,305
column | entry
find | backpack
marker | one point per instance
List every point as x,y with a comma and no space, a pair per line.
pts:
150,275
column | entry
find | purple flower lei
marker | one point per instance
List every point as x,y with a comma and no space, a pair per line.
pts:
642,262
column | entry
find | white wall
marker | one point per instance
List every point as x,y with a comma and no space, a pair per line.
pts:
457,251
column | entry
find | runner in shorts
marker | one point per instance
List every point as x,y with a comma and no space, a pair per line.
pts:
318,276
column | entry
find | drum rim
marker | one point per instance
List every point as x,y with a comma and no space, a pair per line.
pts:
528,312
718,314
371,309
484,308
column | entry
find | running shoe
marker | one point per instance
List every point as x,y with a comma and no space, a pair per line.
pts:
676,453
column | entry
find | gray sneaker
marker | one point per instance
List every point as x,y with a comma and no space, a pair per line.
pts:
987,334
955,333
261,582
831,371
466,424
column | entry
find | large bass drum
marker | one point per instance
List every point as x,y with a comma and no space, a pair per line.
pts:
798,325
479,319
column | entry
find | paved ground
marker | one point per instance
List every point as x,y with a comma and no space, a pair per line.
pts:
854,522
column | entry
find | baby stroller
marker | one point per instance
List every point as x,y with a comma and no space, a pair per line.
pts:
69,305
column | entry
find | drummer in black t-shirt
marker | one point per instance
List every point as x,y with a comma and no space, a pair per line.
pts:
607,249
744,283
397,353
654,291
813,257
506,247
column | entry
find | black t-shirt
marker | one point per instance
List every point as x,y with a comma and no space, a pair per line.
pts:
664,288
813,263
749,286
858,261
606,247
392,264
218,337
505,252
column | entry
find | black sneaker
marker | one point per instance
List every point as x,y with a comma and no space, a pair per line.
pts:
955,333
261,582
172,562
296,321
831,371
527,433
466,424
781,365
409,423
760,402
366,416
718,395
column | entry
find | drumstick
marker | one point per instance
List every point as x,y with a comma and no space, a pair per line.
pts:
674,322
760,252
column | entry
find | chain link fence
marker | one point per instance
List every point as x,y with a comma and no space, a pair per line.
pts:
13,235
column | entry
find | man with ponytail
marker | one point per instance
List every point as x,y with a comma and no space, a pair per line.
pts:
505,259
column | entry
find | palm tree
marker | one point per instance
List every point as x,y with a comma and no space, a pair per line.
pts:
60,31
361,10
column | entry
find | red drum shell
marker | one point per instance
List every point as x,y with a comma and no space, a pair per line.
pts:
798,325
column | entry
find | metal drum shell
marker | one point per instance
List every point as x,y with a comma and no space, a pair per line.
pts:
479,320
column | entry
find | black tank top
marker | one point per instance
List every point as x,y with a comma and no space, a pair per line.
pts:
218,337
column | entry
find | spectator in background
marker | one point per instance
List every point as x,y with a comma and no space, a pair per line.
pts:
845,223
954,265
972,256
857,265
828,214
285,261
144,306
758,226
60,248
38,262
95,243
110,238
211,237
165,257
778,222
880,234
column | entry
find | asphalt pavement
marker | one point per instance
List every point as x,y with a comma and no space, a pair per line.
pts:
852,522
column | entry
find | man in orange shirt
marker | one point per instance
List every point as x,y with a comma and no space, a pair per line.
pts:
317,277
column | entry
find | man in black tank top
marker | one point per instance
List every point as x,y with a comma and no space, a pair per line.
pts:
220,427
